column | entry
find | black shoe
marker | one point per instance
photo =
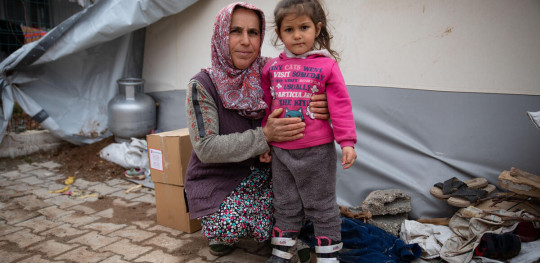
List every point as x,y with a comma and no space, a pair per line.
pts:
498,246
283,246
220,249
328,249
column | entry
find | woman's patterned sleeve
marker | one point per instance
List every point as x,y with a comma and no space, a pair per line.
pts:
206,116
203,124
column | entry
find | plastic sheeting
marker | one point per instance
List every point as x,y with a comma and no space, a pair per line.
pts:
66,79
412,139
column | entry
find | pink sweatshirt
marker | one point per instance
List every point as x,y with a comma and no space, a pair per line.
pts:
289,83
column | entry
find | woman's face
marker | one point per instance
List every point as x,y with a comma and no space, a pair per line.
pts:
244,37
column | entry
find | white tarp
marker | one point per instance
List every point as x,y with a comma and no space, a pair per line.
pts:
66,79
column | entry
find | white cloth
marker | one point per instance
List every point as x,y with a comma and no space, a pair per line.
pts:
428,236
469,224
127,155
530,252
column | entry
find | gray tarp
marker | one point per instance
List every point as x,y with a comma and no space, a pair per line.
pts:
412,139
66,79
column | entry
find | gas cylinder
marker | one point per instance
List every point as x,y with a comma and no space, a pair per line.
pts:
132,113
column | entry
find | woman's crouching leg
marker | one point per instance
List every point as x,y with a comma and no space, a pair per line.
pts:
258,209
245,213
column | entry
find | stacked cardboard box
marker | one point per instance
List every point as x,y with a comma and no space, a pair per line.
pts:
168,154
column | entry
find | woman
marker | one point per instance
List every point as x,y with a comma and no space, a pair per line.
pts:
226,186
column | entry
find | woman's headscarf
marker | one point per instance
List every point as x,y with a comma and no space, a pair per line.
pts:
239,89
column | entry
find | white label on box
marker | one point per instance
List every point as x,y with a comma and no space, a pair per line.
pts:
156,159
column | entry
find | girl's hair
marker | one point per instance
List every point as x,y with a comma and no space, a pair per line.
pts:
314,10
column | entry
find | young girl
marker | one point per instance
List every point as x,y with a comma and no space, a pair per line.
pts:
304,170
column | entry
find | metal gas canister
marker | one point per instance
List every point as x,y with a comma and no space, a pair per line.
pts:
132,113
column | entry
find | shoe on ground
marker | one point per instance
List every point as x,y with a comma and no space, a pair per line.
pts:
220,249
498,246
327,250
283,246
467,197
135,174
445,189
520,182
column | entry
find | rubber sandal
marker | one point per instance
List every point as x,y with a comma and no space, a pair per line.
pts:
465,197
135,173
520,182
444,190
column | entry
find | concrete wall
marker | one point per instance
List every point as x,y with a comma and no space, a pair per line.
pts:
471,46
396,57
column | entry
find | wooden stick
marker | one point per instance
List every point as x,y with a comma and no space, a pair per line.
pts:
133,188
442,221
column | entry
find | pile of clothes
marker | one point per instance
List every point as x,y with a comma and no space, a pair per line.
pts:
488,227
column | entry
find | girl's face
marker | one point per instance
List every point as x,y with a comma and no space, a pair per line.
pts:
298,33
244,37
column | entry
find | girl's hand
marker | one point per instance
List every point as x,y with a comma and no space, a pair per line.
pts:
283,129
348,157
265,157
319,106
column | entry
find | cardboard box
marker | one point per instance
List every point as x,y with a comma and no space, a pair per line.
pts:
168,155
171,208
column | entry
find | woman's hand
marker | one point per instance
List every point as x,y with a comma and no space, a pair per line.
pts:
319,106
283,129
265,157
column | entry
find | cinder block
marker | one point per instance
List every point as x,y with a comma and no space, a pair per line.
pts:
387,202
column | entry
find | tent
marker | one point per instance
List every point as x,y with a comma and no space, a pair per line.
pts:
439,89
65,79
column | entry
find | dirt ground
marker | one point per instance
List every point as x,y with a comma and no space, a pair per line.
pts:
82,162
79,161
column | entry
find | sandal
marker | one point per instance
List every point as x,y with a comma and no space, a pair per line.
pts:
135,173
445,190
466,196
520,182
